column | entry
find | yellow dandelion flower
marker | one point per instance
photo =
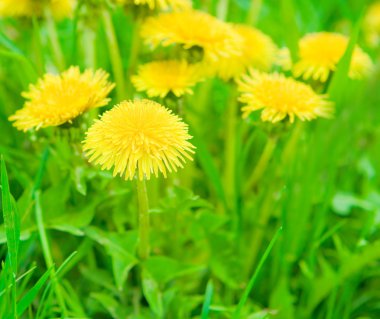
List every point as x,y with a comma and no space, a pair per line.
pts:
57,99
279,97
159,4
192,29
158,78
371,24
319,54
138,136
257,51
29,8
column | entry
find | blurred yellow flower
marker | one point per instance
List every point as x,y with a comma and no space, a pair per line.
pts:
141,136
159,4
319,54
57,99
279,97
158,78
257,51
30,8
371,24
192,29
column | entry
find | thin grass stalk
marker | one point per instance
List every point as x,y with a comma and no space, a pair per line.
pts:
230,156
116,61
54,40
47,253
134,54
255,275
254,12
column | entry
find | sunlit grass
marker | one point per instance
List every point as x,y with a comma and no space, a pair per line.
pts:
270,220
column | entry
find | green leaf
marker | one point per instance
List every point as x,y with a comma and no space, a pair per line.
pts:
11,219
121,247
152,294
108,303
343,203
163,269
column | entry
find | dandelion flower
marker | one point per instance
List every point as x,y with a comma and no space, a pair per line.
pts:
319,54
57,99
158,78
140,137
371,24
192,29
29,8
279,97
257,51
159,4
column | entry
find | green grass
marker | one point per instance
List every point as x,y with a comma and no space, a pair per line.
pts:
69,233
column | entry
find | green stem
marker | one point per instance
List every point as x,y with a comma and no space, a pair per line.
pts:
262,164
113,47
89,47
143,206
222,9
230,150
54,41
47,253
290,146
254,11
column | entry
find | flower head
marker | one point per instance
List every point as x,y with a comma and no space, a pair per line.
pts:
371,24
159,4
29,8
278,97
192,28
257,51
141,136
158,78
319,54
57,99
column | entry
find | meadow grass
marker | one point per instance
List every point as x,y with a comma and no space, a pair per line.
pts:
267,222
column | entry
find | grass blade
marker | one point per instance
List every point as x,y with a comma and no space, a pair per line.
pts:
27,300
252,281
207,301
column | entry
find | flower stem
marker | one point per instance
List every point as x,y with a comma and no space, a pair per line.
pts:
262,163
230,150
222,9
254,11
89,47
47,253
143,206
113,47
54,41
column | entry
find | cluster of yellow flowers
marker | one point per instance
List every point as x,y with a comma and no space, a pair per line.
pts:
27,8
145,137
